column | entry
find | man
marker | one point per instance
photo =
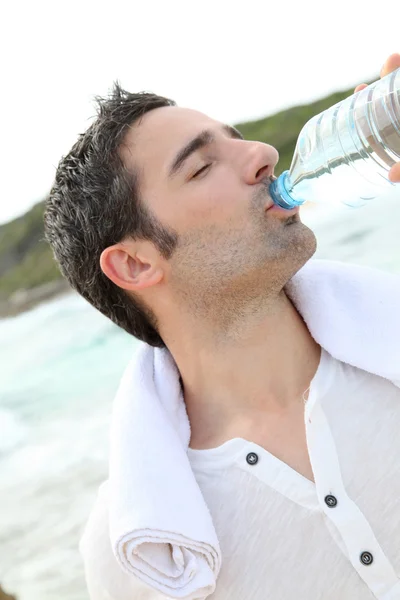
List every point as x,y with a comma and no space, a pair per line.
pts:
161,218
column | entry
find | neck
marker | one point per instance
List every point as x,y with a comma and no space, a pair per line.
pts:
258,368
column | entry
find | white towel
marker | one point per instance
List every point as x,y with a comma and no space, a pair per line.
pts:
160,527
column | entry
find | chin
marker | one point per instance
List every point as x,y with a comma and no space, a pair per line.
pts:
302,247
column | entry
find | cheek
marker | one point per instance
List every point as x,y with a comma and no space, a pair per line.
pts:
215,202
218,200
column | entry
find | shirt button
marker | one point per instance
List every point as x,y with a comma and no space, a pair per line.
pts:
252,458
366,558
330,501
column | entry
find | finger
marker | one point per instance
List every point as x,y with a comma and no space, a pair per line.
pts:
394,173
360,87
391,64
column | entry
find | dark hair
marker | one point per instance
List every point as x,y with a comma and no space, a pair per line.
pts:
95,203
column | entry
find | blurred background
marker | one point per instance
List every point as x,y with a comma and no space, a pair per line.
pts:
264,67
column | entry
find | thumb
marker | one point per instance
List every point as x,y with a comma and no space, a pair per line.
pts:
394,173
391,64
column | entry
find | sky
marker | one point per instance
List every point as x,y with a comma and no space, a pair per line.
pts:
234,61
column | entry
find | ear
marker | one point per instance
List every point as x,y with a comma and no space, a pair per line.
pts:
132,266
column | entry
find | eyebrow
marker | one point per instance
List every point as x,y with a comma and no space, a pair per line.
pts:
201,140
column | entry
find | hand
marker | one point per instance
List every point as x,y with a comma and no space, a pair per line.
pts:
391,64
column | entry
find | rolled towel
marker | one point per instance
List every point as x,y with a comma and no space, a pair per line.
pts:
160,527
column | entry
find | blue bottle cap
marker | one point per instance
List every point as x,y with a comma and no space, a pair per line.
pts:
279,193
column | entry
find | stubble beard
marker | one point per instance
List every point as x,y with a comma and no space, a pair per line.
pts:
226,276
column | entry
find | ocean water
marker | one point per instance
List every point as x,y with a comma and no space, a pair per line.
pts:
60,368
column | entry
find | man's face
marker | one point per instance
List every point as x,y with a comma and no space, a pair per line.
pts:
210,187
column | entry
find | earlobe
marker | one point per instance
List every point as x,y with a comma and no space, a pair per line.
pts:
127,270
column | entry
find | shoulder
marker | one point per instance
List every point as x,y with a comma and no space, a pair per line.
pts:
334,274
350,310
105,579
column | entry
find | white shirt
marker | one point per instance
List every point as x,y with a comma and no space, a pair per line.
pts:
281,535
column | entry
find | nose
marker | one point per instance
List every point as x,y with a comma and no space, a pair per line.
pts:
259,162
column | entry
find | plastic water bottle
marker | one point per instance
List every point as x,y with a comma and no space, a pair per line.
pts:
345,153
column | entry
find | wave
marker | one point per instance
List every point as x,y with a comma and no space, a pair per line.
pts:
13,431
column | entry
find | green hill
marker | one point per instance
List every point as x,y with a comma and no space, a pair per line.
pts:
26,261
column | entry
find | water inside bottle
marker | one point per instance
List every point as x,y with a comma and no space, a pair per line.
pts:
345,187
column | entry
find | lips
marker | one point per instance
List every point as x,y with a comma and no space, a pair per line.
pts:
277,210
271,204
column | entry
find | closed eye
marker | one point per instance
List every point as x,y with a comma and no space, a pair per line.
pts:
203,169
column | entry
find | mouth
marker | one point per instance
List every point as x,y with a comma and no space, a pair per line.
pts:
274,209
268,181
